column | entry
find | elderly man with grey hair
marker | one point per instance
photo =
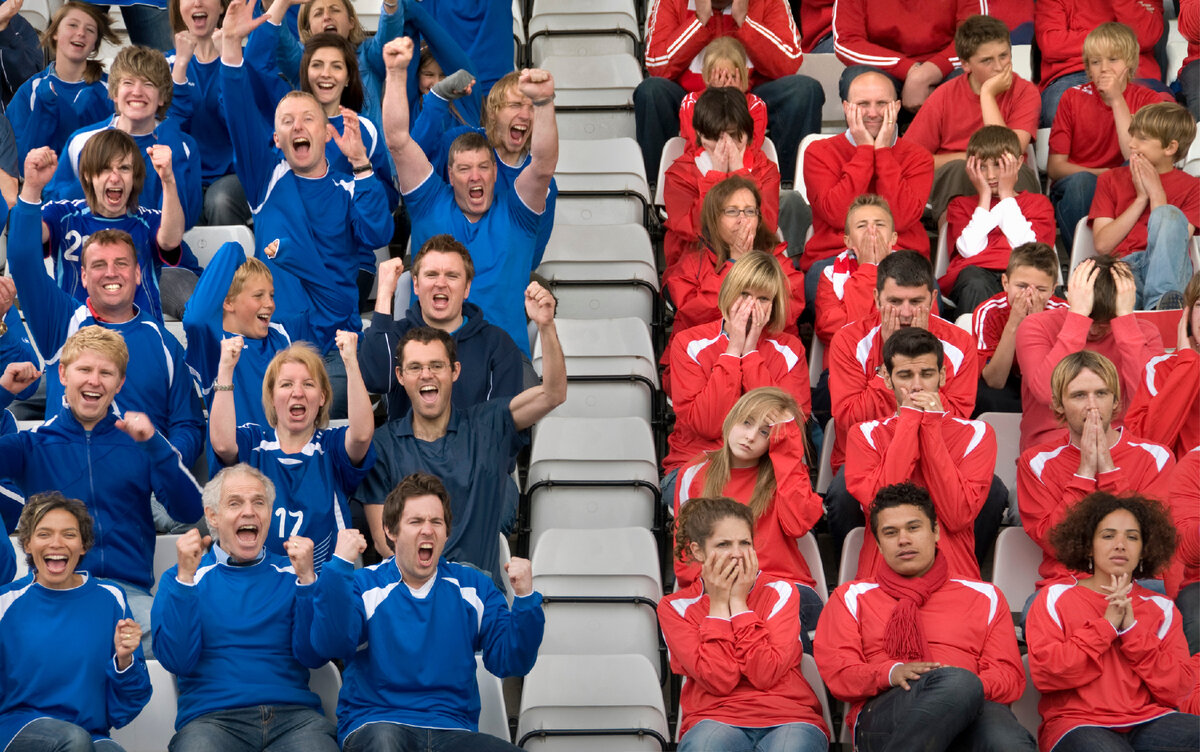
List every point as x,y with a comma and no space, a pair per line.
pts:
232,623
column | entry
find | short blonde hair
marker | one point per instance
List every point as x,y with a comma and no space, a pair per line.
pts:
758,270
1113,37
136,61
1167,122
1071,366
725,50
249,268
307,356
97,339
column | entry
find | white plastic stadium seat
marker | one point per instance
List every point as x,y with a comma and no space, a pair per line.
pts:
1015,566
493,718
850,549
812,557
610,366
1008,440
827,70
1026,707
1084,246
153,728
594,94
798,181
672,150
616,698
601,181
166,555
326,682
205,241
824,466
808,667
602,271
568,27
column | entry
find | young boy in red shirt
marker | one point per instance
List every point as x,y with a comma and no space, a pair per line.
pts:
1148,210
1091,128
1028,284
983,229
988,93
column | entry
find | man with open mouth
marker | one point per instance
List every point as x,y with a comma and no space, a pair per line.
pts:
262,628
409,628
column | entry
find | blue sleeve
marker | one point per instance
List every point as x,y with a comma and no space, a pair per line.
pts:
27,129
302,622
339,618
204,310
20,55
186,429
376,354
429,124
247,436
8,558
128,691
288,52
16,348
172,482
176,624
545,226
260,54
183,100
391,25
348,474
253,160
65,184
509,638
381,161
48,310
370,217
508,372
188,177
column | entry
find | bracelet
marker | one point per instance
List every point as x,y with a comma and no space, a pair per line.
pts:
362,170
544,102
221,387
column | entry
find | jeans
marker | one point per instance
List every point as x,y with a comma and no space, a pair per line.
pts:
944,709
1189,87
337,382
714,736
1054,91
393,737
1072,198
148,26
973,286
140,601
175,286
812,280
225,203
811,606
49,735
793,111
1170,733
1006,399
1164,265
1188,603
795,217
280,728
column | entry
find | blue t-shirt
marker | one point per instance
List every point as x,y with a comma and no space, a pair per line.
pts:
472,460
501,245
312,487
46,110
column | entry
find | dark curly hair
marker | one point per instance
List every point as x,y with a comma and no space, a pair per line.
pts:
1072,538
698,517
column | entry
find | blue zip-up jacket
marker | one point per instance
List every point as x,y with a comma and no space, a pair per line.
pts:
57,659
158,381
114,475
46,110
491,362
258,635
322,225
410,655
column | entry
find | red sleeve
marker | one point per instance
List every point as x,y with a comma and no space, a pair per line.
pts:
959,483
1158,661
795,279
926,130
988,327
1000,669
833,183
768,648
1189,21
856,396
693,289
1145,17
703,652
831,312
958,215
702,397
799,507
1185,507
765,175
947,59
682,194
1057,41
1040,212
840,656
854,48
1106,201
1039,350
771,40
758,372
687,109
859,295
1161,407
1063,129
1044,503
905,184
872,461
1137,346
674,36
958,396
1025,107
758,113
1060,661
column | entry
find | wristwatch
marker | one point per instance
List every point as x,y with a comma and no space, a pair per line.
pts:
3,328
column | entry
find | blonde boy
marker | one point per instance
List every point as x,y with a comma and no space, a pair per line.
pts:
724,64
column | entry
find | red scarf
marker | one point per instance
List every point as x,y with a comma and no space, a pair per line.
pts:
905,640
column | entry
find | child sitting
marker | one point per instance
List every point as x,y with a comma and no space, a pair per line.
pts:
724,64
1148,209
1091,127
985,228
1028,287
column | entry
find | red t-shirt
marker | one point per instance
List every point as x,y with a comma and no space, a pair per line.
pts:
952,113
1115,191
1084,129
1060,27
1030,218
988,322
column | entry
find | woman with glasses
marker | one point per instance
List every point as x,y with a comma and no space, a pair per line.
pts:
731,225
314,468
722,148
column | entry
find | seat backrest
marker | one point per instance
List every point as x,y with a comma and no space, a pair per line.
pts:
611,562
1007,427
1084,246
798,180
824,465
671,151
964,322
1026,707
1015,566
166,555
850,549
153,728
22,565
326,682
812,557
816,356
808,667
493,718
206,240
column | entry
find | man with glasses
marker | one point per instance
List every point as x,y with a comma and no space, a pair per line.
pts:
471,448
